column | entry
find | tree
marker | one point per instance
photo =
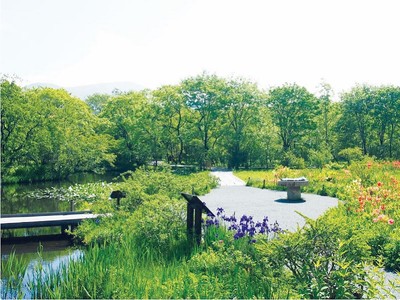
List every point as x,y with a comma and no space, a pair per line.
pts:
96,102
48,134
325,123
67,141
356,106
293,111
241,104
203,97
172,117
386,118
18,127
128,121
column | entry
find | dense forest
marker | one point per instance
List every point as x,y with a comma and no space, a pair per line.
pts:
205,120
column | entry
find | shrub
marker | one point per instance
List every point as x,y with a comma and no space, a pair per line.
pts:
290,160
351,154
142,184
240,274
319,158
391,252
326,259
335,166
160,225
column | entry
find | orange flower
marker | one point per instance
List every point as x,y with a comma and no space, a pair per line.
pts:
376,211
379,183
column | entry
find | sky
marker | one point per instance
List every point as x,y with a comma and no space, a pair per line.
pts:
158,42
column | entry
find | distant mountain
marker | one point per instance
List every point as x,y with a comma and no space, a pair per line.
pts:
103,88
43,84
86,90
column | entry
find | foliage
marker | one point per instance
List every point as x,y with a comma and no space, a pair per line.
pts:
13,269
289,159
319,159
148,183
141,250
369,119
239,274
144,254
204,120
160,225
370,193
96,102
204,96
149,209
241,104
351,154
129,118
172,115
327,259
293,110
48,134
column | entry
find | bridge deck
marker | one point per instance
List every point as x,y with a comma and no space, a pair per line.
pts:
44,220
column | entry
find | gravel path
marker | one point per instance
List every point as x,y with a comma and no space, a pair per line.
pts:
236,198
226,178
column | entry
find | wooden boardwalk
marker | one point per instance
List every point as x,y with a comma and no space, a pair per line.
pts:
63,219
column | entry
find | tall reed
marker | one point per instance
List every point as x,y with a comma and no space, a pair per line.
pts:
13,270
127,270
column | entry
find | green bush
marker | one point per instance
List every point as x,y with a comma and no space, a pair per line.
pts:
391,252
150,207
351,154
242,275
327,259
159,225
319,159
142,184
290,160
335,166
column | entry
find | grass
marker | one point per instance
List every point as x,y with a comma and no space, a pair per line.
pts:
126,271
144,254
13,269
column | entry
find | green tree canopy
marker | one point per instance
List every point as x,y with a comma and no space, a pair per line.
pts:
293,111
48,134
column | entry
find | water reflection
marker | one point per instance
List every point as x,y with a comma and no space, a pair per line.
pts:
15,199
46,254
39,265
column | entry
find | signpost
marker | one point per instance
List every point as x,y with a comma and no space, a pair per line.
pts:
195,208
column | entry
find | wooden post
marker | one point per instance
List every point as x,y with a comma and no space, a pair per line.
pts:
189,221
195,208
197,224
63,229
71,205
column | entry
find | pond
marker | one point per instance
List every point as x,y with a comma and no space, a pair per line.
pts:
46,252
36,266
15,198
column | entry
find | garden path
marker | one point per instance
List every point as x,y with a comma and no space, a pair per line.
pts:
236,198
